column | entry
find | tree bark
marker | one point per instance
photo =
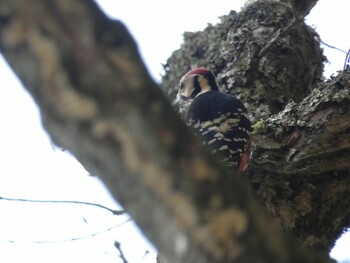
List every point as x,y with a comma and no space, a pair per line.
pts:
98,101
300,166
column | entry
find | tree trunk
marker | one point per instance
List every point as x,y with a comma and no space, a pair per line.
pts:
300,166
98,101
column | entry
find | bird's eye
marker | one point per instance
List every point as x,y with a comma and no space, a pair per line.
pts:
181,85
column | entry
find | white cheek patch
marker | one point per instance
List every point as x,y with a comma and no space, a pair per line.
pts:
203,82
187,91
188,88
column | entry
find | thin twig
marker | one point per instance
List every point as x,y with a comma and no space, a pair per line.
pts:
74,238
275,38
327,45
144,255
294,10
282,32
303,9
121,254
347,61
114,212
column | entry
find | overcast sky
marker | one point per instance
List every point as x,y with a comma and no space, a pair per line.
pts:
32,168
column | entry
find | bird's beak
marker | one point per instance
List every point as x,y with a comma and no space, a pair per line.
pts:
176,100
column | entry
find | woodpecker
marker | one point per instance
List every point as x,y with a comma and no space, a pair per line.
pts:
219,118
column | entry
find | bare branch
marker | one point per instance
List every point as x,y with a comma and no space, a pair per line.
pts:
121,254
73,238
301,8
113,211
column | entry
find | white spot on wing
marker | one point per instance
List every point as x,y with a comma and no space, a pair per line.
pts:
211,141
224,147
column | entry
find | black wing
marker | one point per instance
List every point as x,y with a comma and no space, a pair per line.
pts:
222,122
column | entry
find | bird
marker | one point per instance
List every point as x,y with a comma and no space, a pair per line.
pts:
217,117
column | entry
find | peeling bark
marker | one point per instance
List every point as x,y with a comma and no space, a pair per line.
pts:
86,75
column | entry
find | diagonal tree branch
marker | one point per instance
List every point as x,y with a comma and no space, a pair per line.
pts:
98,101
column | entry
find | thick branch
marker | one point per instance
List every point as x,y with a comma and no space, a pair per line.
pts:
305,151
98,101
300,167
312,136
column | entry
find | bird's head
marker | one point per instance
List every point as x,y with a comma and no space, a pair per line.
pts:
194,83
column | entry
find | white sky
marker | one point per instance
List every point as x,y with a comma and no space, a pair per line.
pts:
31,168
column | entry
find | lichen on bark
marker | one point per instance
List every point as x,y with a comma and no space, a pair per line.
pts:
231,49
174,189
300,169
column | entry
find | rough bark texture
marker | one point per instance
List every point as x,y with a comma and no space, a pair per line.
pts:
301,161
232,49
86,75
